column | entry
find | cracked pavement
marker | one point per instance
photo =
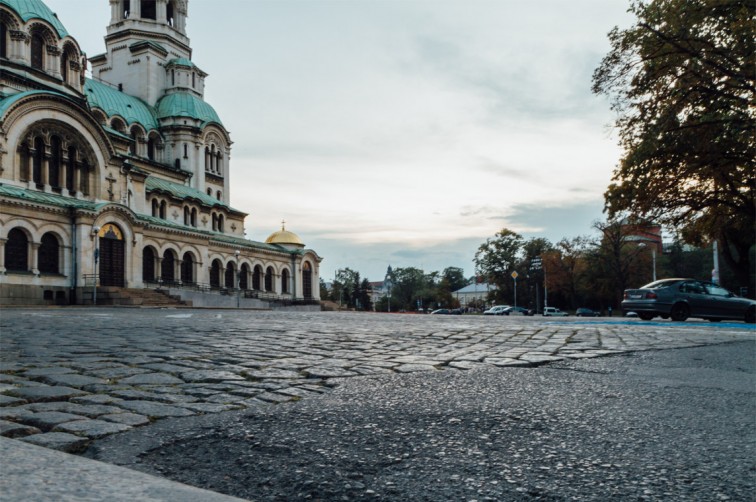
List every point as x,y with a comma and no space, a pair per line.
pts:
69,376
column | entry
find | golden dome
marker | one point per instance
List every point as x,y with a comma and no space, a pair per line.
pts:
284,238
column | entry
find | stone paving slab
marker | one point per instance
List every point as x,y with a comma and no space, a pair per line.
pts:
111,369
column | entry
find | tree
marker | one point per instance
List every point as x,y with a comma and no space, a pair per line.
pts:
497,258
683,82
565,268
616,262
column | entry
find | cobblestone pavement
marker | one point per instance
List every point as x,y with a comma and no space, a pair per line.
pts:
71,375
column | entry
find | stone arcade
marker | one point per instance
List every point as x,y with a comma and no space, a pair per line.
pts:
122,180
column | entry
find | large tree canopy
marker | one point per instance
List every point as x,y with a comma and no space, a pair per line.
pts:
683,82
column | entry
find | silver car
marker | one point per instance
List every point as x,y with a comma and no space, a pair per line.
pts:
679,299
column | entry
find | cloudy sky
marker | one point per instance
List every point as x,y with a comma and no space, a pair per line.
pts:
403,132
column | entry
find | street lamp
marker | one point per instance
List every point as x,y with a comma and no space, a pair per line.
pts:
653,258
95,236
238,279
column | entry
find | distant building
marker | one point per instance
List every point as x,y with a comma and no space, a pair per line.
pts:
122,180
473,293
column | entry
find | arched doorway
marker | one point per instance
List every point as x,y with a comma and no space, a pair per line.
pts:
187,268
168,267
307,280
112,256
229,278
215,273
148,264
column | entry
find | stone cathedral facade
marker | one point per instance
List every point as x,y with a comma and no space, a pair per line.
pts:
123,180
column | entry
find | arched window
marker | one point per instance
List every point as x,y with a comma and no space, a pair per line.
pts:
269,279
70,168
163,209
37,51
257,278
151,148
244,277
84,177
155,208
215,273
307,280
39,156
187,216
148,264
285,280
215,222
194,217
173,77
169,13
187,268
126,10
26,158
64,66
221,223
218,195
167,267
49,254
133,142
229,275
3,40
56,155
17,251
210,192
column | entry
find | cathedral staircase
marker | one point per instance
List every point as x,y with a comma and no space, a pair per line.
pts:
137,297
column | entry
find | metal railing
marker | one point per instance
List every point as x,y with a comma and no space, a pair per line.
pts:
267,296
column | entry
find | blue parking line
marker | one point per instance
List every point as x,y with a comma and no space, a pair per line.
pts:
729,325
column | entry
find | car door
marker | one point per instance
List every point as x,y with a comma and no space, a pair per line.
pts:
694,292
724,303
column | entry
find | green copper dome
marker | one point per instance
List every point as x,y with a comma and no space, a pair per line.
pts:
185,104
114,102
36,9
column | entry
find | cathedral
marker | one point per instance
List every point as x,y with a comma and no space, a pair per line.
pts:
122,181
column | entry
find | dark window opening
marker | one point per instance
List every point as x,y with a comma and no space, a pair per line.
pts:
49,255
3,41
187,269
167,267
56,154
37,52
229,279
39,155
148,265
17,251
149,10
215,272
269,279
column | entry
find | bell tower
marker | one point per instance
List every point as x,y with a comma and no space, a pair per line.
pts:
143,38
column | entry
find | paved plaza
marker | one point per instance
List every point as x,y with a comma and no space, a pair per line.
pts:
68,376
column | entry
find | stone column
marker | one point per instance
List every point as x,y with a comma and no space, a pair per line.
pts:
116,14
3,240
161,7
35,257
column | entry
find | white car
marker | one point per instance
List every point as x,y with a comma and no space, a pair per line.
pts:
497,310
554,312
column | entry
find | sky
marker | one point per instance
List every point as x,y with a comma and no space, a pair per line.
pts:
403,132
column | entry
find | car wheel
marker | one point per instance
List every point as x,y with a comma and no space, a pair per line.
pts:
645,316
750,316
679,312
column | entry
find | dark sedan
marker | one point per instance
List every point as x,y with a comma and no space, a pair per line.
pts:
679,299
586,312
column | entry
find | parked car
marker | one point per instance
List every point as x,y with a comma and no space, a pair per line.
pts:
586,312
680,299
515,311
497,310
441,311
553,312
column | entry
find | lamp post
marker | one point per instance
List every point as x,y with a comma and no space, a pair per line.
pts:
387,283
653,259
238,279
96,237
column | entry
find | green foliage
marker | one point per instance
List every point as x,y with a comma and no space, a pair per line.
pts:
683,82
